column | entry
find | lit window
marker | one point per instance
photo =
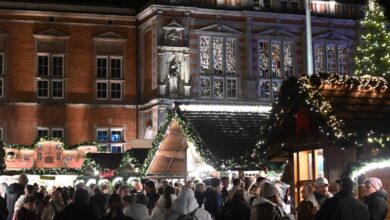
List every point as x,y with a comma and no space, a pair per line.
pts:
116,136
102,135
110,138
265,89
331,58
343,60
218,59
276,87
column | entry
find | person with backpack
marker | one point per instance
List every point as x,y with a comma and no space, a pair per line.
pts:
185,207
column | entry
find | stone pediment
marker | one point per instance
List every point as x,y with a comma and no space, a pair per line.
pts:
218,29
277,32
110,36
331,35
51,33
173,25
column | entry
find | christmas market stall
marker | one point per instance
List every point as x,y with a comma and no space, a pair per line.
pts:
99,168
48,161
330,125
198,141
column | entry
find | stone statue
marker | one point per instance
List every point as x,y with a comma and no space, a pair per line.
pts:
173,75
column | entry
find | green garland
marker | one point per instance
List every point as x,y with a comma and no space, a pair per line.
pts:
355,170
90,163
44,171
130,156
87,143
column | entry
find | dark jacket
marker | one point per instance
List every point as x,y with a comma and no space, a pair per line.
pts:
377,204
98,202
118,215
3,209
264,209
152,200
11,196
213,202
343,206
77,211
199,196
236,210
25,214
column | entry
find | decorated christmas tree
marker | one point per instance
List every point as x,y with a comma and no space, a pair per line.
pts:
373,53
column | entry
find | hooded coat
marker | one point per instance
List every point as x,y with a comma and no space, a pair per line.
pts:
159,210
377,204
137,211
12,194
343,206
264,209
185,204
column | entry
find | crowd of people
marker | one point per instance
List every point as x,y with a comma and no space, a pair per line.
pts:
212,199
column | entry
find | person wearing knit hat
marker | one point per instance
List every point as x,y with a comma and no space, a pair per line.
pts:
375,198
268,207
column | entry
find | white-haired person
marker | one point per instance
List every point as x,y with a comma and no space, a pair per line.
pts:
375,198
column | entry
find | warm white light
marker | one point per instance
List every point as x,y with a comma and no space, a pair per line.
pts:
90,181
226,108
117,180
379,164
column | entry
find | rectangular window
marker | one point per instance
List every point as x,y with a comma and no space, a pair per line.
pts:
231,87
264,89
116,68
43,88
43,132
331,58
284,4
57,132
1,64
116,149
57,89
267,3
58,156
204,55
102,90
1,87
263,58
57,66
256,3
276,62
230,52
116,136
116,90
205,87
319,57
218,56
218,86
102,135
43,65
101,67
276,88
288,59
342,59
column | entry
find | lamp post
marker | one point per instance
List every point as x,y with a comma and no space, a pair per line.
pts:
309,49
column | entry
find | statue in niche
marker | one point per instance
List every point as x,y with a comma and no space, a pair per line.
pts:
173,75
173,37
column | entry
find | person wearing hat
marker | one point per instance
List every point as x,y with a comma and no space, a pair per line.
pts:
375,198
268,207
344,205
322,190
213,202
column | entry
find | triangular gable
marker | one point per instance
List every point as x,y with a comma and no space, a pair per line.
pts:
277,32
331,35
173,25
110,36
218,29
51,33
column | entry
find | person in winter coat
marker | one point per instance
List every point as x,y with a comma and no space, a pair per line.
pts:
164,203
186,204
309,206
3,203
199,193
213,202
79,209
375,198
232,191
253,193
322,190
268,207
13,193
343,206
98,201
28,191
151,194
137,208
27,211
115,209
54,206
237,208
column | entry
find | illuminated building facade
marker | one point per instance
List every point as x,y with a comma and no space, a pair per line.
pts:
107,73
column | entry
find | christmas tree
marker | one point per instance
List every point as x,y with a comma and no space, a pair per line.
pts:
373,53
